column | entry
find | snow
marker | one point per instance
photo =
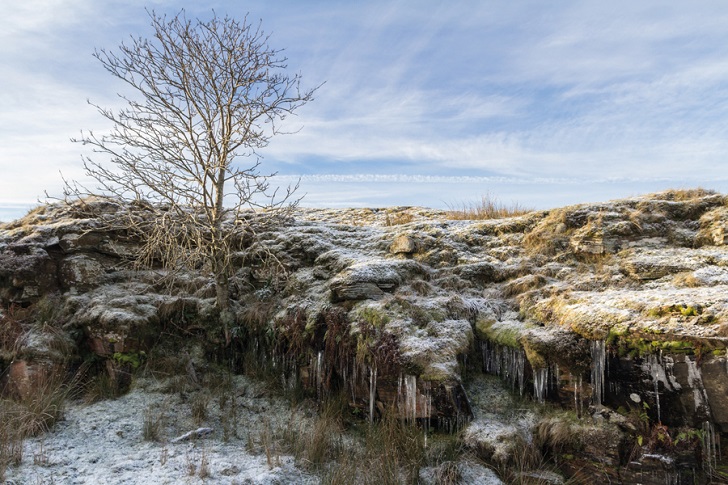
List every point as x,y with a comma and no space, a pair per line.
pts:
103,443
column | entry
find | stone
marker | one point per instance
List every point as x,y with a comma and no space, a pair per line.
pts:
79,272
714,227
356,291
193,435
403,244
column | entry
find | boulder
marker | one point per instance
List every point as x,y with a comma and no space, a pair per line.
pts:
79,272
403,244
27,272
366,280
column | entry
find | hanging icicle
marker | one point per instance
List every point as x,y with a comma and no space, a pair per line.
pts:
656,371
710,450
410,383
599,357
540,384
507,362
372,391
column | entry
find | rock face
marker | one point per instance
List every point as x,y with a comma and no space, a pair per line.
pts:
607,304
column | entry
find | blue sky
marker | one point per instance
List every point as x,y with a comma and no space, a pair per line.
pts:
425,103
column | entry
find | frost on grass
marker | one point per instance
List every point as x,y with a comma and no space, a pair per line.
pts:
104,443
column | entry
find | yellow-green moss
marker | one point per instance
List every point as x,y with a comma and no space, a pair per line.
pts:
535,358
134,359
639,346
373,316
499,333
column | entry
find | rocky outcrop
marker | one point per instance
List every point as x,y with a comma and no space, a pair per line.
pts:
612,304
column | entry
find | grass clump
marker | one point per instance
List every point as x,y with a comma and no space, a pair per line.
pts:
153,423
32,413
488,207
680,195
394,218
390,452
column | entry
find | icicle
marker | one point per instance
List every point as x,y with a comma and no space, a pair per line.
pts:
320,374
577,394
656,370
598,351
400,395
540,384
695,380
354,380
521,367
410,383
372,392
710,455
427,386
507,362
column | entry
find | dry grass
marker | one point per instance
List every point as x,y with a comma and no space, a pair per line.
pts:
198,407
551,234
153,423
392,453
523,284
489,207
679,195
686,280
398,216
32,414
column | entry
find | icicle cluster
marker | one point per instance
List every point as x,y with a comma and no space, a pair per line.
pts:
507,362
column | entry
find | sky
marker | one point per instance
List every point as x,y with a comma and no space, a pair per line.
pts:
431,103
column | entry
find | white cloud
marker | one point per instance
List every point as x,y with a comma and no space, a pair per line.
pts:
526,90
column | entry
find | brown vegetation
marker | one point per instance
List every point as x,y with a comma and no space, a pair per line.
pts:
488,207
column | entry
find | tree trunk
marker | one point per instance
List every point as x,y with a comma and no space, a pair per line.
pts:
222,291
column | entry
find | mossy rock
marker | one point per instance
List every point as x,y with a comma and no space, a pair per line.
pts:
506,333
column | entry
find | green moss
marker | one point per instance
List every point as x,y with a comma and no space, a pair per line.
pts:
689,311
535,358
639,346
373,316
615,333
134,359
502,334
655,312
684,310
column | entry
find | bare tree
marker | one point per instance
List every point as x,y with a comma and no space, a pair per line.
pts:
206,96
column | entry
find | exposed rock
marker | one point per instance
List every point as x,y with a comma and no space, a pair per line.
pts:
403,244
496,441
369,280
26,273
79,272
714,227
571,305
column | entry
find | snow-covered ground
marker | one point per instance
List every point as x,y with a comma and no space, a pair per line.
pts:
103,443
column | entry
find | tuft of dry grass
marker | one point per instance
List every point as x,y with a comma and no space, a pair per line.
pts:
394,218
681,195
488,207
32,414
392,453
686,280
198,407
154,419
